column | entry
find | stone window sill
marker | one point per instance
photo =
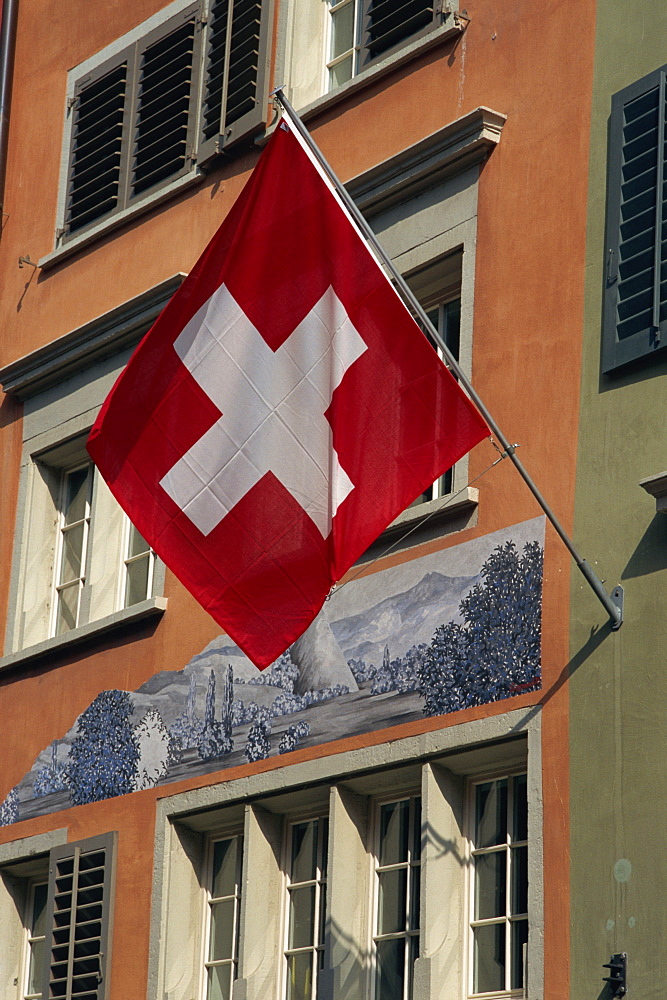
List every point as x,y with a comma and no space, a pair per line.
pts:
154,607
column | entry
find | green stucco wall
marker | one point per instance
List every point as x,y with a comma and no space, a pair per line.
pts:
618,688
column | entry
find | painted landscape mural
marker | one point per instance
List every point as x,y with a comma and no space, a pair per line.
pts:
452,629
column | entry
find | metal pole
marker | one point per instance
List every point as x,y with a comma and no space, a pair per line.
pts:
7,45
613,605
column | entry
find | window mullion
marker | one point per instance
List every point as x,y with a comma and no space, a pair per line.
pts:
130,122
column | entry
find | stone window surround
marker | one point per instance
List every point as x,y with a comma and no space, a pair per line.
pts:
439,762
61,402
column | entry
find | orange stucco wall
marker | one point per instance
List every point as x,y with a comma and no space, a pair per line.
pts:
520,58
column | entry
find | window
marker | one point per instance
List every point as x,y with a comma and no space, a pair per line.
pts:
77,533
398,874
635,309
35,934
499,890
362,31
223,914
77,938
359,872
438,288
71,546
169,95
138,568
306,906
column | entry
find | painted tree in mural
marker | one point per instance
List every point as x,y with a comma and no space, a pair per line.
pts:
9,809
214,741
104,753
153,742
496,651
258,745
52,777
292,736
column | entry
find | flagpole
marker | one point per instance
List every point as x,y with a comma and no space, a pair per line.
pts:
613,604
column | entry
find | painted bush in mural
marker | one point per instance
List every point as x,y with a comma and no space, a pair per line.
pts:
105,752
495,652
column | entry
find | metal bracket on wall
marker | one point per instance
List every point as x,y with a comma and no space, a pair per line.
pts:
618,597
618,969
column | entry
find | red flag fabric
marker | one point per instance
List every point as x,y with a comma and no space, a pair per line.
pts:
283,409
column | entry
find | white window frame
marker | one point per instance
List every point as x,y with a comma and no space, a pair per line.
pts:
318,882
127,559
29,939
409,933
206,962
62,528
509,918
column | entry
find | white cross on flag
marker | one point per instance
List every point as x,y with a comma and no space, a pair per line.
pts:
282,410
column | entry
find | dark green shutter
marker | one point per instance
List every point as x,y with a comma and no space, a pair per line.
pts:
635,308
236,73
100,110
390,23
79,909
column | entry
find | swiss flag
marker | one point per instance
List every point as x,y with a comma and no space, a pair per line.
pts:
282,410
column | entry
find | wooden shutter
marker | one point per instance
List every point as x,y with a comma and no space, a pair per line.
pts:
635,311
165,106
390,23
134,121
78,919
236,73
100,112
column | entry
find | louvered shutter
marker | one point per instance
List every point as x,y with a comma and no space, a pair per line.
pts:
78,919
390,23
166,99
635,312
98,135
236,73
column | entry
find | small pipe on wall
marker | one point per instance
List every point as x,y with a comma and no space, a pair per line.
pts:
7,47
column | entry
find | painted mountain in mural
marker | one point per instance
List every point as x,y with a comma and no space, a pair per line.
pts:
403,620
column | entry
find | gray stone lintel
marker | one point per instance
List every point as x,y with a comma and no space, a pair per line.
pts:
154,607
450,150
657,487
104,336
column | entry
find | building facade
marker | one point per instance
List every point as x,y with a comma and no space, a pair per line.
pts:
385,812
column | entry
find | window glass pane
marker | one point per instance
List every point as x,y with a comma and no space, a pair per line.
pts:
39,910
302,917
340,73
324,848
137,543
413,945
70,560
451,322
491,813
490,885
222,929
224,867
323,914
76,494
520,823
68,601
391,901
136,581
219,983
299,976
415,874
519,861
519,938
489,958
394,822
342,30
36,972
417,831
390,969
304,851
